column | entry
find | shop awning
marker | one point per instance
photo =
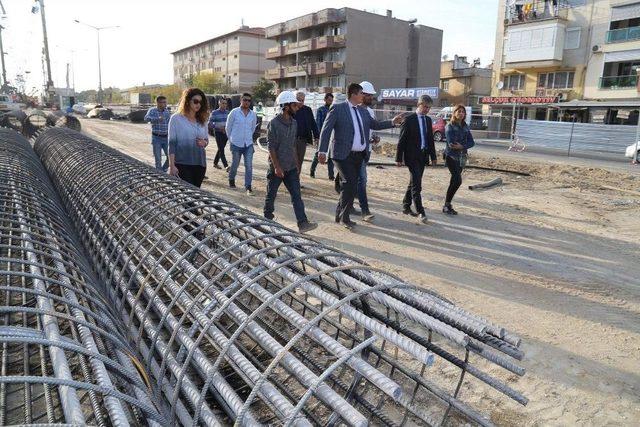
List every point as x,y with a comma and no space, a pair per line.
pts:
577,103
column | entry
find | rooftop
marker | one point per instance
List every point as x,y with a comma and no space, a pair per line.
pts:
256,31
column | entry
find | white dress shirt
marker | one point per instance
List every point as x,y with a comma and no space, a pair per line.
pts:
422,121
357,144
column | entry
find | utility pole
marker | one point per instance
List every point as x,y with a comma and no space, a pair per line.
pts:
4,70
50,87
98,29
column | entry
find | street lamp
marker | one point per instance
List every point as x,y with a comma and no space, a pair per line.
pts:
98,29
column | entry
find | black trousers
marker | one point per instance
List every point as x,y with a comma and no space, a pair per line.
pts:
193,174
456,177
221,142
348,170
414,189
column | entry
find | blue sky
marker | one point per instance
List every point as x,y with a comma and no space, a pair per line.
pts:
138,51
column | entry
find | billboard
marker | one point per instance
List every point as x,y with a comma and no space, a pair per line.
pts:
409,93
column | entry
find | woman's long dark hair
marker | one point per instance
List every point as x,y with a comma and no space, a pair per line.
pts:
202,116
454,121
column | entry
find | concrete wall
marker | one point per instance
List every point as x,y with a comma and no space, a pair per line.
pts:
378,50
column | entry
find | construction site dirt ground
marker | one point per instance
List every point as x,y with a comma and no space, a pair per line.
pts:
553,257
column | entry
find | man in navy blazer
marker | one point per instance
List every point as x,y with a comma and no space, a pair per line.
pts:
415,148
350,124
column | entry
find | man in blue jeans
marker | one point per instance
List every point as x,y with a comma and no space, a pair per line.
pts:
159,117
284,162
241,124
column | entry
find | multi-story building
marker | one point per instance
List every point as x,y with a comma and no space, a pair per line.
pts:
329,49
238,57
564,58
463,83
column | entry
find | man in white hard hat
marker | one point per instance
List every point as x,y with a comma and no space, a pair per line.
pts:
367,100
283,160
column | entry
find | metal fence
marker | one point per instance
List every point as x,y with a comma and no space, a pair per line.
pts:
576,137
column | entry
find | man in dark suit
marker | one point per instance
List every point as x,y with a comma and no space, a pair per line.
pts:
350,124
415,148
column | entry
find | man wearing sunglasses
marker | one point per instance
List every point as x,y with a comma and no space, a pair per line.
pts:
241,123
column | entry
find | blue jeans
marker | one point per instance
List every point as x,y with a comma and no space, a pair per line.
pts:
159,145
292,182
247,153
362,188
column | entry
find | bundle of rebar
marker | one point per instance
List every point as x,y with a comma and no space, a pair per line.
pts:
64,355
242,320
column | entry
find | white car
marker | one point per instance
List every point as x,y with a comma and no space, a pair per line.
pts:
631,150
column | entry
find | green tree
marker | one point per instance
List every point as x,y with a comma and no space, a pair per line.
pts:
209,83
263,91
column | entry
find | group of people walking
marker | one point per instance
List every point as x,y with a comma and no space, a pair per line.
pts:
344,134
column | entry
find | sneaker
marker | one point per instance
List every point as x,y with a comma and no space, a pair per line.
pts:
307,226
423,218
249,191
232,183
409,212
217,166
448,209
227,168
367,216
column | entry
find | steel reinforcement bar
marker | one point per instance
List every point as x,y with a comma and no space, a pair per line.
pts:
64,354
239,317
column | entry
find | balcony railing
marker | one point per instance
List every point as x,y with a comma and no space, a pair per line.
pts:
319,18
623,34
535,11
619,82
274,73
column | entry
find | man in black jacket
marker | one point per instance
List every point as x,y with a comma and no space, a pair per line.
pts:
415,148
307,129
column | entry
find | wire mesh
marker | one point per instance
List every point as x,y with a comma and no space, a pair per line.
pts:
64,355
242,320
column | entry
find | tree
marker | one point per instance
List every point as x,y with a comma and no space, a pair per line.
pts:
263,91
209,83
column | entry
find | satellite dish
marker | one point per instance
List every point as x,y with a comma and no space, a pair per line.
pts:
500,85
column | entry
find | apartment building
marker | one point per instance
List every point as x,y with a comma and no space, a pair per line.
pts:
463,83
568,58
238,57
327,50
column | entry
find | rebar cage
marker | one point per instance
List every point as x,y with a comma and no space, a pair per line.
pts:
241,320
64,353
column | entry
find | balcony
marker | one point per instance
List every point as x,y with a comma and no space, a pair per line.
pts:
328,42
537,11
274,73
623,35
275,52
320,18
297,47
329,68
619,82
295,71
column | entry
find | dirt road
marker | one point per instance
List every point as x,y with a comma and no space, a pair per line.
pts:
554,257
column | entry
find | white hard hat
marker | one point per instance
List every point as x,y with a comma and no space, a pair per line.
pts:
286,97
368,88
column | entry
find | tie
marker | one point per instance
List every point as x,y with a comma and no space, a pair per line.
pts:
362,140
424,132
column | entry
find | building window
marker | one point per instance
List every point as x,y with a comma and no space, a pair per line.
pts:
444,85
558,80
572,38
235,38
514,82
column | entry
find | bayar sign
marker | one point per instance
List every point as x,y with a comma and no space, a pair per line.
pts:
409,93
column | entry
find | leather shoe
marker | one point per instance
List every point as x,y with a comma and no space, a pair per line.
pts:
349,225
409,212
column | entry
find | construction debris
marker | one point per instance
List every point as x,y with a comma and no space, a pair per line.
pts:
485,185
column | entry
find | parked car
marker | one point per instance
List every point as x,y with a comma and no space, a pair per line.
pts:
8,104
633,151
439,125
